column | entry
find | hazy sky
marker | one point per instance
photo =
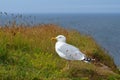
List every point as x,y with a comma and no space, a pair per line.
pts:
60,6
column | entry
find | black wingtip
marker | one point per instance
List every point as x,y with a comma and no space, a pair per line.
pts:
88,60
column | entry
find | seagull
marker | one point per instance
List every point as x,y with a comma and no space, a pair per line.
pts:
68,51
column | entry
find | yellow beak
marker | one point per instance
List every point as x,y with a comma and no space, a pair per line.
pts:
53,38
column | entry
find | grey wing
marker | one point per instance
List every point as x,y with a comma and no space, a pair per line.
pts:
71,52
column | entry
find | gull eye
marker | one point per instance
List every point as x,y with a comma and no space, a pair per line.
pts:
60,37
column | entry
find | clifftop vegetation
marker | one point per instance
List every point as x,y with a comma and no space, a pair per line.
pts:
27,53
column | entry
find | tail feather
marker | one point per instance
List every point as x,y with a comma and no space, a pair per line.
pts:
88,60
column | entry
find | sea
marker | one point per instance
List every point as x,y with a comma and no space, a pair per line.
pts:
103,27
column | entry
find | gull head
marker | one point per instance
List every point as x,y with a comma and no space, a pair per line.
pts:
60,38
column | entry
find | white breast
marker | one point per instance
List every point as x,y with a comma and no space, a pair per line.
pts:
57,47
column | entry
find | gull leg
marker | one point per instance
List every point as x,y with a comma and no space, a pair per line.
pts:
68,64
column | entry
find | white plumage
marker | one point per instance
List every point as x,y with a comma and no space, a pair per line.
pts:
67,51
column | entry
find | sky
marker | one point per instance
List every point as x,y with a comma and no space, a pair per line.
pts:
60,6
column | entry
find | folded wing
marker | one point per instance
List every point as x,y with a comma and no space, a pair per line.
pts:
71,52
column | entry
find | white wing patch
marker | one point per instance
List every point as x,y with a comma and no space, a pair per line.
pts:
71,52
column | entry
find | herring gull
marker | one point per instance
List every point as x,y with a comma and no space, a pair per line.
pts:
69,52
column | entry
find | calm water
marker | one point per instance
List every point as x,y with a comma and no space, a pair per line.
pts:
104,28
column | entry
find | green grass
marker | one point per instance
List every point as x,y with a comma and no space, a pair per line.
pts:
27,53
